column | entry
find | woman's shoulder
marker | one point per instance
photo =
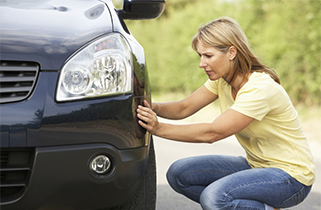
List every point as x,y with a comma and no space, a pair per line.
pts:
263,83
261,77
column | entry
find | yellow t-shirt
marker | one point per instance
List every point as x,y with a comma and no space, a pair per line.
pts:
275,137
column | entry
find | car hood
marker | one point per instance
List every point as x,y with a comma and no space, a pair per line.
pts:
48,32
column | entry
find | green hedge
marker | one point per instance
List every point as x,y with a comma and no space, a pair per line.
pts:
285,34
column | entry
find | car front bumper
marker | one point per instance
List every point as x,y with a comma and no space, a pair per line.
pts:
60,178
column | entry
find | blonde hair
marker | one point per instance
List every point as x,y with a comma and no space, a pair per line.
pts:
225,32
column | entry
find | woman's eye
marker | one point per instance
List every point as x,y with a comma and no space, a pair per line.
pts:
205,55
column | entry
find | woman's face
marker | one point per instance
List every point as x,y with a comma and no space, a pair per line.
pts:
215,63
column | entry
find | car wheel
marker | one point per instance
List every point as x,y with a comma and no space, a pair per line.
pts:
145,197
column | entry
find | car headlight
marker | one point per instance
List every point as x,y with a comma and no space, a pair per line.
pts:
102,68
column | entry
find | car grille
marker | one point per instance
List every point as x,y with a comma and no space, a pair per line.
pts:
15,170
17,80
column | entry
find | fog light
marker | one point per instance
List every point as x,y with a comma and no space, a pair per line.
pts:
100,164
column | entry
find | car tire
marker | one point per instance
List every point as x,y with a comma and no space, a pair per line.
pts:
145,197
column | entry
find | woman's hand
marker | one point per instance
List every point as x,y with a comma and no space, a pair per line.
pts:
148,118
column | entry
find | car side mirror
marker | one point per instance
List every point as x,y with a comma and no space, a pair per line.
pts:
142,9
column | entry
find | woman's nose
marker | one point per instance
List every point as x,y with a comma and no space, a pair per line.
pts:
202,64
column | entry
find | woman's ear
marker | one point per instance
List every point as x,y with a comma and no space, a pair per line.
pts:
232,51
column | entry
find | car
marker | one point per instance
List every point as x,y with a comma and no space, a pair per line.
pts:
71,78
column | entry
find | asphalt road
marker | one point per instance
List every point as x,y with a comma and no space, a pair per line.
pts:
169,151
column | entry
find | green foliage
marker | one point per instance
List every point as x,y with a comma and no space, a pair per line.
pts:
285,34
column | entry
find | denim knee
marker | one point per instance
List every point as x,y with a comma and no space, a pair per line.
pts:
172,176
184,179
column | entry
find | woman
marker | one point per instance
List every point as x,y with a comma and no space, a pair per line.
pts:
278,170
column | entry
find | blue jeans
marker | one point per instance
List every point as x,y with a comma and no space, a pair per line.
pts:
227,182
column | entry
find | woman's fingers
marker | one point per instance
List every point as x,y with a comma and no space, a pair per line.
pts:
146,104
144,118
144,111
144,125
144,114
148,118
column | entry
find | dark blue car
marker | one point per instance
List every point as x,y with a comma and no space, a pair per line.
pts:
71,78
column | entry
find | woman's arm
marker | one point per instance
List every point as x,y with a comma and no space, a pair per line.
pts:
228,123
184,108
